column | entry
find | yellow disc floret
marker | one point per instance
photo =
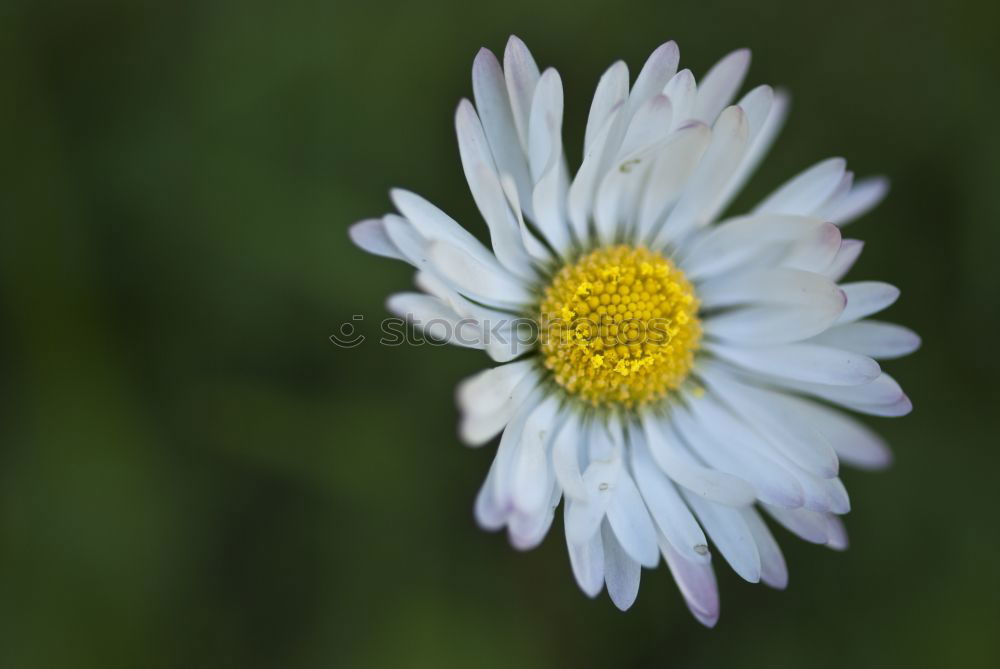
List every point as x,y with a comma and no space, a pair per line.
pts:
619,326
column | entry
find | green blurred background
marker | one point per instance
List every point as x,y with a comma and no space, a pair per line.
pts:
192,475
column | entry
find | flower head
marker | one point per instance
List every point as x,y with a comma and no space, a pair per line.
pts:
681,372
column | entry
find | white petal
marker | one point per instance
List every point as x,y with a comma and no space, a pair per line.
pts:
612,91
479,424
771,324
587,561
743,241
803,362
667,508
805,524
698,204
522,76
814,253
526,531
807,192
741,445
596,160
669,453
370,236
433,224
506,338
900,407
599,481
759,106
672,168
531,476
773,570
772,482
436,319
864,196
836,533
437,278
500,332
493,102
771,286
490,389
475,279
838,501
613,195
764,138
682,90
824,495
842,189
855,443
489,515
850,251
546,160
876,339
865,298
535,248
730,534
719,86
650,125
631,523
659,69
566,449
480,172
881,397
605,442
618,196
407,241
776,420
545,123
507,451
697,584
621,572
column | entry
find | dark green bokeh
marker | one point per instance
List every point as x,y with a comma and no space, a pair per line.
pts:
191,474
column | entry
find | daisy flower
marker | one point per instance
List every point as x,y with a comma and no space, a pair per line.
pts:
669,377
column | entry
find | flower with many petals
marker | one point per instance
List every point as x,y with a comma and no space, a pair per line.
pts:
667,376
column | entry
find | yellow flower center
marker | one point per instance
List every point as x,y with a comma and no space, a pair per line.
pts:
619,326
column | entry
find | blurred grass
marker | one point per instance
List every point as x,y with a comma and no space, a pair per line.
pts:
192,475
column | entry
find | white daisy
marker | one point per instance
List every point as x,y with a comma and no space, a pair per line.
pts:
683,376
